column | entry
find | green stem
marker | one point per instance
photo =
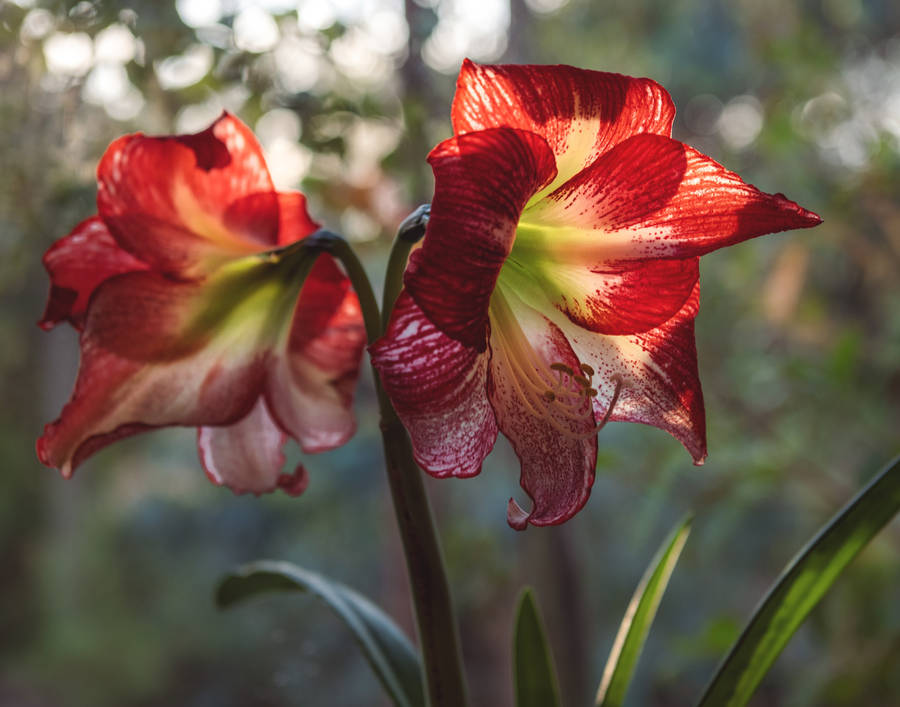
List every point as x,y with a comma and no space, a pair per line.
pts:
435,617
409,233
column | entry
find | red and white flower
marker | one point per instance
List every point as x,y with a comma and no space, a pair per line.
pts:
188,299
557,283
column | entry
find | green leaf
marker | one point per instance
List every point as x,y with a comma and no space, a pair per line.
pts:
638,618
388,651
535,676
800,587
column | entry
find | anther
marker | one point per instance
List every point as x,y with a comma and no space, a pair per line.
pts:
587,370
562,368
590,393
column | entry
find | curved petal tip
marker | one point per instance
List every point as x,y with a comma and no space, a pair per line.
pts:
516,516
296,483
806,218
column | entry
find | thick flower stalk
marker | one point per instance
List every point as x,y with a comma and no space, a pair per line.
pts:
557,284
198,305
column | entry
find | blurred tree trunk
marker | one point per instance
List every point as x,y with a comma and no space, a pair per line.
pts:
418,99
521,47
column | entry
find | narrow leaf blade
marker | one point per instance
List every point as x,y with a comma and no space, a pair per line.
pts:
802,584
383,644
535,675
635,626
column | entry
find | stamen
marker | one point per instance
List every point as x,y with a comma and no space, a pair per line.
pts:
564,400
612,403
562,403
606,415
531,386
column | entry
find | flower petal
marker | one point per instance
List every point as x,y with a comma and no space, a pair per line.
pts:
482,181
294,221
653,197
658,371
247,456
311,382
618,297
581,113
555,441
437,387
77,264
157,352
115,397
180,202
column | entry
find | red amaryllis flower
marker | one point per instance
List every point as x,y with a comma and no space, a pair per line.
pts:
191,312
557,283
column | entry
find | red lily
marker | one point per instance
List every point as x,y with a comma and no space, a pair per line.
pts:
557,283
190,312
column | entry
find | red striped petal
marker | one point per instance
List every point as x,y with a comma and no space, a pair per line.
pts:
658,370
245,214
437,387
653,197
247,456
144,316
619,297
180,202
556,446
294,221
115,397
157,353
311,382
581,113
77,264
482,181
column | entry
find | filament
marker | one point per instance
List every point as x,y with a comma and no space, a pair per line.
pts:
566,396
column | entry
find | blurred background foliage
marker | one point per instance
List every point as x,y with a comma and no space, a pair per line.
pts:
106,580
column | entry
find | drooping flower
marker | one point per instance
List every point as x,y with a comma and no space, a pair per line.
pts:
188,299
557,284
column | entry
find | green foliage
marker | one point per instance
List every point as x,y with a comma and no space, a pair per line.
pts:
536,684
638,619
388,651
801,586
